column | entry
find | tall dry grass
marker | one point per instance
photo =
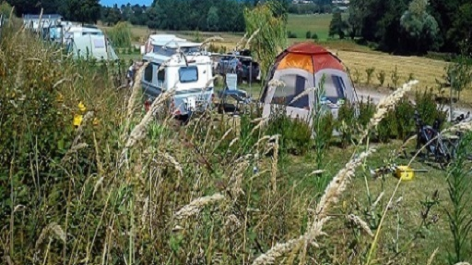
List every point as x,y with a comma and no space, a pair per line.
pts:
125,188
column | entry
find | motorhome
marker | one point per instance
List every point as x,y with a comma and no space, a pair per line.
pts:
188,76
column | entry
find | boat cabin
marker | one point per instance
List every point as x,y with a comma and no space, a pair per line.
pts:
167,44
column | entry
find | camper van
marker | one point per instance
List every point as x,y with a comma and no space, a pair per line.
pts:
189,76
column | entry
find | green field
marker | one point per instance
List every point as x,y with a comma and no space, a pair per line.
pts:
300,24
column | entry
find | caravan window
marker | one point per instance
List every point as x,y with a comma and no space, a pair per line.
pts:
148,73
161,74
188,74
294,86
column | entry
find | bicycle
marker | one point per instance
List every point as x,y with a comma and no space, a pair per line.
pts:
429,138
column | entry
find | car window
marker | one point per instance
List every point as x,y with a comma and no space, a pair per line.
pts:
188,74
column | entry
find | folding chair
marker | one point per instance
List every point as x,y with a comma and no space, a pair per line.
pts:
231,90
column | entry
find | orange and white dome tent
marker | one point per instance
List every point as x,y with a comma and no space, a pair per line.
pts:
303,69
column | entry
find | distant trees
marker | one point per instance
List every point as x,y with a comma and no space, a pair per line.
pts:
337,25
422,30
34,7
405,26
206,15
85,11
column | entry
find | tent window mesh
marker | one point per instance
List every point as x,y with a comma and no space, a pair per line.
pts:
294,86
334,88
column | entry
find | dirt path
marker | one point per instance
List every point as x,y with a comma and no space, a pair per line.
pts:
363,93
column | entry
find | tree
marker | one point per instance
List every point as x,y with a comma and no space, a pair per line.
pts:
354,21
271,36
461,31
422,30
85,11
337,26
153,14
213,19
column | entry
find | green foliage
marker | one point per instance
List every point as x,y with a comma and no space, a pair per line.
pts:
5,9
411,27
204,15
459,214
271,37
346,123
337,26
458,75
387,127
213,19
404,112
291,35
395,78
369,71
308,35
295,134
357,76
85,11
381,77
314,36
427,107
120,35
366,111
399,123
422,29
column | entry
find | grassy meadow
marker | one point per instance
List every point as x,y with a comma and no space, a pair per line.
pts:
122,186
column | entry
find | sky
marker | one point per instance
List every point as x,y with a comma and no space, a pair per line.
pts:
124,2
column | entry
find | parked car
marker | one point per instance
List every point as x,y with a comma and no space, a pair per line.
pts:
244,66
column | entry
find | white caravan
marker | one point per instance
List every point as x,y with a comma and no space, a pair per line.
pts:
189,76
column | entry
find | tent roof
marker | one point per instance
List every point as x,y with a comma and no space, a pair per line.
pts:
307,48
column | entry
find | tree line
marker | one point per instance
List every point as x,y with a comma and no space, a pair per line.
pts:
409,26
205,15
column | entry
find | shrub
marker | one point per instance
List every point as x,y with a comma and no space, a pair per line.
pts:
395,77
405,124
314,36
120,35
346,123
387,127
366,111
381,77
369,72
427,108
295,134
357,76
291,35
308,35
